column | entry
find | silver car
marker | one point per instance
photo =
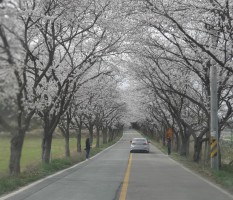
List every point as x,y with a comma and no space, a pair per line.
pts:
140,145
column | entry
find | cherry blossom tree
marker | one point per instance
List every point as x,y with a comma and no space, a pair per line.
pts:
78,50
89,107
14,68
173,37
57,43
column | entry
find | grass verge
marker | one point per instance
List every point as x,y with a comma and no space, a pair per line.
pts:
10,183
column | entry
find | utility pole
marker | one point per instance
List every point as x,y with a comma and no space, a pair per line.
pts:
214,143
214,118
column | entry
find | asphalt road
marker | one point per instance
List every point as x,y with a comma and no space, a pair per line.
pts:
152,176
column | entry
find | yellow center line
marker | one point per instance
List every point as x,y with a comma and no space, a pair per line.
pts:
126,180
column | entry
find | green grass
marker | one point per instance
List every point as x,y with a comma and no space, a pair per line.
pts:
4,153
31,154
10,183
33,169
225,177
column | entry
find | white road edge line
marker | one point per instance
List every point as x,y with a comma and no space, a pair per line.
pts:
197,175
50,176
205,180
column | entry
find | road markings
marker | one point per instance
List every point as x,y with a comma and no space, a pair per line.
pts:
53,175
126,180
203,179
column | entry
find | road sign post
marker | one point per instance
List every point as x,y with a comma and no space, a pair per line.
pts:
214,157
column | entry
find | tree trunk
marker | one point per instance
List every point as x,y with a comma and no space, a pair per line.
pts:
67,145
16,151
184,148
97,137
164,135
49,128
104,132
110,133
91,131
46,148
79,136
177,143
66,134
197,149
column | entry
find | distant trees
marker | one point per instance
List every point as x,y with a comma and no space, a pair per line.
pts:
91,110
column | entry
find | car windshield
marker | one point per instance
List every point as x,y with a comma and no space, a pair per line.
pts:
139,140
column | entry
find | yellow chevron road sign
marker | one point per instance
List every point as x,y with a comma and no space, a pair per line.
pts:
213,147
